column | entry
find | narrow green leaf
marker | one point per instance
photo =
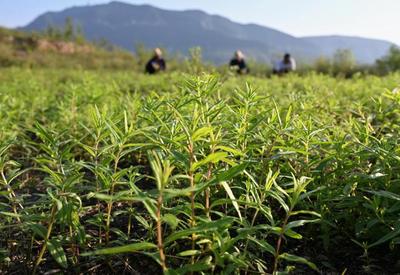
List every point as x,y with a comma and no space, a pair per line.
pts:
10,214
386,238
189,253
130,248
88,149
231,172
263,245
292,234
38,229
299,223
386,194
199,133
213,158
57,252
232,197
204,227
303,212
229,150
293,258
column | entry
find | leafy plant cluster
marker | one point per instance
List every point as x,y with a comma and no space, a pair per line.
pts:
197,175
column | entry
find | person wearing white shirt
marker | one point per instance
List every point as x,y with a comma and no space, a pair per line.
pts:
288,64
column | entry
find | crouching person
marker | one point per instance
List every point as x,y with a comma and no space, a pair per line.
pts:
156,63
288,64
238,63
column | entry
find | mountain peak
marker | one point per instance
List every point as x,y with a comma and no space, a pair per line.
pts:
117,3
126,25
125,4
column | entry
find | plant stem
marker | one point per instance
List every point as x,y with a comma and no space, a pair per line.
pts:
207,192
96,163
160,243
192,202
49,229
248,240
279,242
129,221
108,220
111,193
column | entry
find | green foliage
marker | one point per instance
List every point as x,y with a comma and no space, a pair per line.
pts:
69,31
323,65
114,172
195,64
343,61
389,63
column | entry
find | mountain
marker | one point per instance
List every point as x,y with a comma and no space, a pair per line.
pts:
127,25
365,50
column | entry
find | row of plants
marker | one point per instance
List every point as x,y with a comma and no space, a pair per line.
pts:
180,174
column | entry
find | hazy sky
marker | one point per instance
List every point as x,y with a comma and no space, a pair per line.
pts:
369,18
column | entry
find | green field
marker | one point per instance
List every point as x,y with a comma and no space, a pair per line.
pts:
121,172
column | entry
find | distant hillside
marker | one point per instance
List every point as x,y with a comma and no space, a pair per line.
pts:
38,50
365,50
126,25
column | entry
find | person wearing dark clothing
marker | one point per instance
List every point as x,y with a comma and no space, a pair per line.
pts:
238,63
156,63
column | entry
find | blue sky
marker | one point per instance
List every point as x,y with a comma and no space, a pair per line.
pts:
369,18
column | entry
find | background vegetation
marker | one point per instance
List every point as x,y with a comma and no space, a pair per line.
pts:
68,48
122,172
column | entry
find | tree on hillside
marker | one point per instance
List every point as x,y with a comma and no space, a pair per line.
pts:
323,65
53,32
390,62
79,36
344,62
69,30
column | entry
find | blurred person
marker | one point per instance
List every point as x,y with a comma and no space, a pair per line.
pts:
238,63
286,65
156,63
